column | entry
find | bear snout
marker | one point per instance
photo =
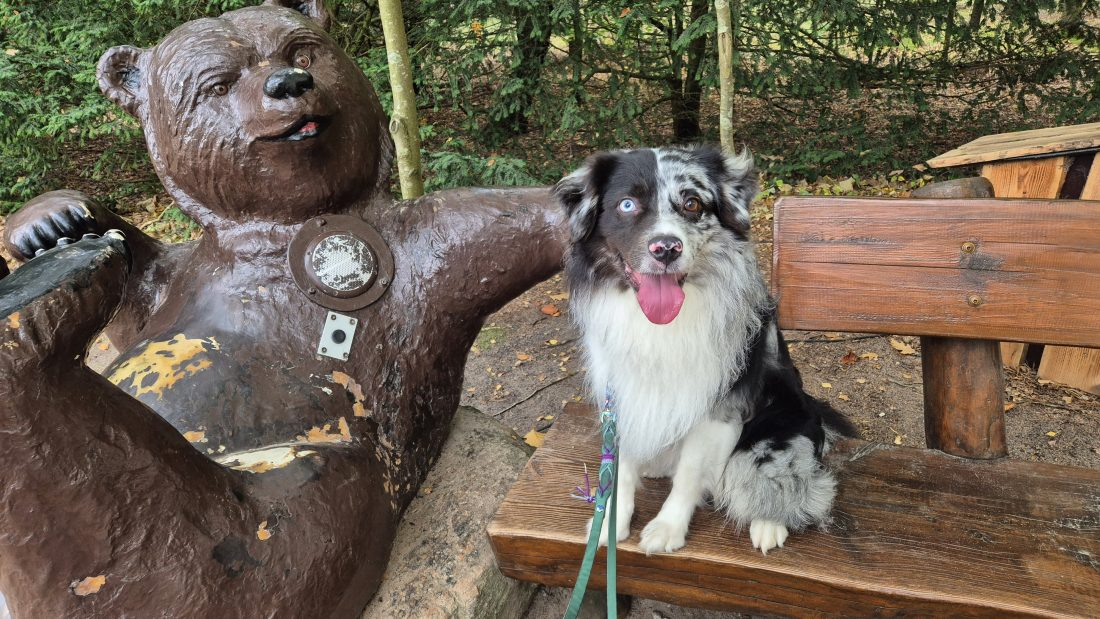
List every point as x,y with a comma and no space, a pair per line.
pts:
288,82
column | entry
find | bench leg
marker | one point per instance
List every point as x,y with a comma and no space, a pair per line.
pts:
963,397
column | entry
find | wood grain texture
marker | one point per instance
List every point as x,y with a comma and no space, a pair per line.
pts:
1013,353
1021,144
963,397
915,533
1076,367
1029,178
1018,270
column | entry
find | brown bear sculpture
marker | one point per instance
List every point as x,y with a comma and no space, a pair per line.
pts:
285,382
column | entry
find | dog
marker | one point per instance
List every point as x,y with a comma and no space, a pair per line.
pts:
678,326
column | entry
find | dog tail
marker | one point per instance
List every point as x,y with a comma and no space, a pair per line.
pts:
834,422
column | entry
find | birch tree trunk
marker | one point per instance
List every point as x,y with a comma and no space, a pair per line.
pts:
725,73
404,125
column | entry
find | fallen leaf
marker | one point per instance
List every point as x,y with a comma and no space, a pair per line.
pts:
861,381
902,347
560,297
1009,406
844,396
1068,399
523,357
551,342
906,375
897,439
1043,381
534,438
89,585
194,436
826,385
869,355
551,310
624,13
1052,434
849,359
263,533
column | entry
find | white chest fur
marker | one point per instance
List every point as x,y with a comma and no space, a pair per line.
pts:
667,378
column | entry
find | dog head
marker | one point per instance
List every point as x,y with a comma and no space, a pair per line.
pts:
648,218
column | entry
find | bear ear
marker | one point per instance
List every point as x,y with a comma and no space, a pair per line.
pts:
119,74
313,9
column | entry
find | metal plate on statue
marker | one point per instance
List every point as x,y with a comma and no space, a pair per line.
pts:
336,336
341,262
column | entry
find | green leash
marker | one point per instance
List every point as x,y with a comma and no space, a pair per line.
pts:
606,490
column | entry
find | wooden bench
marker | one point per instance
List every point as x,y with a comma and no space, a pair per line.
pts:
916,532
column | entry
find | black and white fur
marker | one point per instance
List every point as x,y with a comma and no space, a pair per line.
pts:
710,399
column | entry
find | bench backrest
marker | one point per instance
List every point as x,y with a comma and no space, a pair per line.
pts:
990,269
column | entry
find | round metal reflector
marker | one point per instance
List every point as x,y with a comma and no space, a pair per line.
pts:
341,262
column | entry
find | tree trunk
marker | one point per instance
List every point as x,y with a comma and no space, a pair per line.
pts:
725,74
404,126
686,103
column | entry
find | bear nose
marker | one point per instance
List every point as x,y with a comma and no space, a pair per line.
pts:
666,248
289,82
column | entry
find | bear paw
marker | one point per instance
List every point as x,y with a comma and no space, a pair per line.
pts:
54,305
48,219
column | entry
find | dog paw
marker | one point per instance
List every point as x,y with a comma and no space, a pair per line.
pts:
767,534
663,536
622,529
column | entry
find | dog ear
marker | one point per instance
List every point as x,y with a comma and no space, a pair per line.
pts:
313,9
580,193
739,181
119,75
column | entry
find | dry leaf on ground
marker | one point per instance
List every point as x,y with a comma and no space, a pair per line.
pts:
902,347
534,438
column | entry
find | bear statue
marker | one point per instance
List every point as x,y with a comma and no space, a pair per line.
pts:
284,383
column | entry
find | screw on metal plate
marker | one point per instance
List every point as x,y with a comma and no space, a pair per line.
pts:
337,335
969,247
974,300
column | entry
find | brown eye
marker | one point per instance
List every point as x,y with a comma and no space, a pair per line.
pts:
302,61
220,89
693,205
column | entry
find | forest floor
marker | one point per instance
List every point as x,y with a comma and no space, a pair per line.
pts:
527,363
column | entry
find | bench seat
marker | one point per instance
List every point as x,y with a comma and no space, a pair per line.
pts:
915,533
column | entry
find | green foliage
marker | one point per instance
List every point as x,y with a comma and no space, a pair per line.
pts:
53,120
519,91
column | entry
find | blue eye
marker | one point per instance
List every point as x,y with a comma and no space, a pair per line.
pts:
627,206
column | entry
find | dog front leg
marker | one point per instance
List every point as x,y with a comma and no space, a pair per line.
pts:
703,453
627,483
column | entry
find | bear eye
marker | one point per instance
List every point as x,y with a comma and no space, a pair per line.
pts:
302,61
220,89
693,205
626,205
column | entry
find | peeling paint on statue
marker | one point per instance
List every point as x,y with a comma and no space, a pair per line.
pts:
256,123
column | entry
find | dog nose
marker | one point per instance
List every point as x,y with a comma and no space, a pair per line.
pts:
666,248
289,82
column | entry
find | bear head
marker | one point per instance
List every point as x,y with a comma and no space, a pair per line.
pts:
256,115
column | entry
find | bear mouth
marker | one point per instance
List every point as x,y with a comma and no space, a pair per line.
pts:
305,128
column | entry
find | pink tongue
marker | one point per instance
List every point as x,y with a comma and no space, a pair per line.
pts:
660,297
309,127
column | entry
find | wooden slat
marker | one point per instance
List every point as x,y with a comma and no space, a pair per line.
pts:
1030,178
1021,144
916,533
901,266
1076,367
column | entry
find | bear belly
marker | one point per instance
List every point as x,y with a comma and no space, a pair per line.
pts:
224,394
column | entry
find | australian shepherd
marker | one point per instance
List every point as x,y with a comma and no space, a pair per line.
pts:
679,328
